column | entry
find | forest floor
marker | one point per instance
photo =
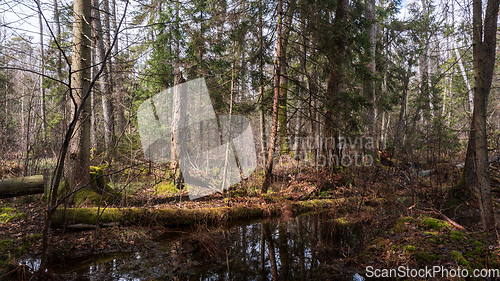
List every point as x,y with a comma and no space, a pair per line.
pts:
414,221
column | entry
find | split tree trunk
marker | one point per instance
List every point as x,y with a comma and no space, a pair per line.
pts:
484,49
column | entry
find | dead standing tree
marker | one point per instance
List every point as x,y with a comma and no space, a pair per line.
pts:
178,123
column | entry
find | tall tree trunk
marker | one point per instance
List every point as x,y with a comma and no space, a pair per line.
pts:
262,111
118,82
97,57
270,158
58,35
93,101
369,89
78,163
335,77
424,69
283,84
178,119
76,146
42,71
312,108
484,61
300,92
399,133
106,83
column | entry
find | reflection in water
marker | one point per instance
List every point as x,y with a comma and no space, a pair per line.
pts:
306,247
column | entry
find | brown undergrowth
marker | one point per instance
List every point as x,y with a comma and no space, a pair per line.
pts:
408,217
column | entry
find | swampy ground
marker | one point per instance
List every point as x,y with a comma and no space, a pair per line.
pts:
406,220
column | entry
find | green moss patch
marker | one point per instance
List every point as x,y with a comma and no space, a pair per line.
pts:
436,224
167,188
342,221
436,240
458,235
410,248
97,177
5,244
459,258
97,193
7,214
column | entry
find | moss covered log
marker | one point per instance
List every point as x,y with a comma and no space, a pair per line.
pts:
22,186
176,217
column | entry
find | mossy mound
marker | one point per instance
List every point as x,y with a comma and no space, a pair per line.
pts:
97,193
166,188
436,224
97,177
459,258
418,242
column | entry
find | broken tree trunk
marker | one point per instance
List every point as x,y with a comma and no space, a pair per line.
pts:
22,186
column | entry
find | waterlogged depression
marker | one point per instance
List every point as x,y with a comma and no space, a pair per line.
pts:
312,246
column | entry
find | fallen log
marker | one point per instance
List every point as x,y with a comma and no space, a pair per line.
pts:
22,186
85,217
427,173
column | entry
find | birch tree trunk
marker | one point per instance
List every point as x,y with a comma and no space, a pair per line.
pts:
464,75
